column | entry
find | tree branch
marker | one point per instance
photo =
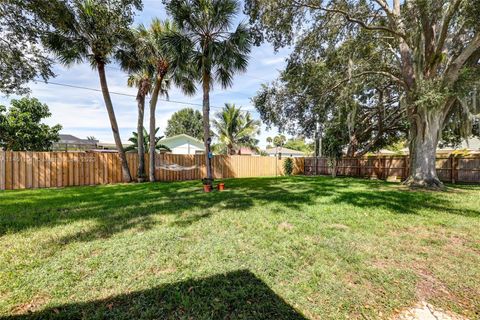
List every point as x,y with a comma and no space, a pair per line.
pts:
457,64
445,24
383,73
387,10
349,18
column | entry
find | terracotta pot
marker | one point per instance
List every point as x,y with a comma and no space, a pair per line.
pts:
221,186
207,188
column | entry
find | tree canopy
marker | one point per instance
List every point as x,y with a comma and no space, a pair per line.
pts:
186,121
235,129
298,144
23,25
426,52
21,127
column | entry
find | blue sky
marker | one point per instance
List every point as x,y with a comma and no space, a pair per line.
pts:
82,112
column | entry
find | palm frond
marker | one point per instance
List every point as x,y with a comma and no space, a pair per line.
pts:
235,128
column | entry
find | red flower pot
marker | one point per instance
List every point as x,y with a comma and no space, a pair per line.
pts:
207,188
221,186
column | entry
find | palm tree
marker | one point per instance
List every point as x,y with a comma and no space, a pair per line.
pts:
269,140
134,59
92,32
143,81
216,51
145,142
236,129
168,65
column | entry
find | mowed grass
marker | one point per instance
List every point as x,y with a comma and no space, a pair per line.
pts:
266,248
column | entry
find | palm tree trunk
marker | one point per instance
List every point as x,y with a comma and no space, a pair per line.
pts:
140,137
113,122
153,107
206,124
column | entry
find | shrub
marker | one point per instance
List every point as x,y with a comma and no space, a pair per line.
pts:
288,166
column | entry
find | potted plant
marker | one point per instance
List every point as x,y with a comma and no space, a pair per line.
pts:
221,186
207,184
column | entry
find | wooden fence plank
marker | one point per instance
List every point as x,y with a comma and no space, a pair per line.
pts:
16,170
3,164
29,171
9,171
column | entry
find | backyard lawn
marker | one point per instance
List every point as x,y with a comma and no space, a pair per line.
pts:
266,248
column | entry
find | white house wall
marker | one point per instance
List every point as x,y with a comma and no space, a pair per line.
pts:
186,149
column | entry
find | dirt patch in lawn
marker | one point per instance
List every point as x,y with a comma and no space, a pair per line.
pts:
285,226
425,311
31,306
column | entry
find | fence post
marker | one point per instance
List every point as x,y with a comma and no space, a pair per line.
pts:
3,163
358,167
455,170
452,174
384,168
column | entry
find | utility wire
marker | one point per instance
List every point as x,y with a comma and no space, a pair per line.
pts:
121,93
124,94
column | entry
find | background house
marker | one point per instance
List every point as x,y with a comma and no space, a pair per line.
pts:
284,152
184,144
68,142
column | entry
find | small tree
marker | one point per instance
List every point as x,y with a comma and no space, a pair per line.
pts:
235,129
145,142
288,166
279,141
21,128
186,121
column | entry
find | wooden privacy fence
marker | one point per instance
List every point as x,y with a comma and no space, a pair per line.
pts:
449,169
31,170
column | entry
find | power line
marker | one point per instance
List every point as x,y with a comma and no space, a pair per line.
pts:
125,94
122,94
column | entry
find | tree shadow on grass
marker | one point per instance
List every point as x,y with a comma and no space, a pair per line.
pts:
402,201
235,295
117,208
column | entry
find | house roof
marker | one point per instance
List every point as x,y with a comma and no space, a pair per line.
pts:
70,139
282,150
245,151
181,139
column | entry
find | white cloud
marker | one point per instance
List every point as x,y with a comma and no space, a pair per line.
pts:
273,61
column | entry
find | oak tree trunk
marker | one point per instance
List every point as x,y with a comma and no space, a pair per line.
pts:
425,133
206,124
113,122
153,107
334,167
140,137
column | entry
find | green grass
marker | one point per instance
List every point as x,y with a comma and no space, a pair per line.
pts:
267,248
